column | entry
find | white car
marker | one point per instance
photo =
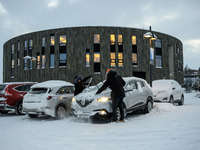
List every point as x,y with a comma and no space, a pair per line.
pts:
168,91
51,98
88,104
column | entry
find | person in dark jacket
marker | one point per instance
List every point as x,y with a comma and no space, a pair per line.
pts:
79,84
115,83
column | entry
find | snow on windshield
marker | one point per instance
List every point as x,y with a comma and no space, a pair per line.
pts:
161,84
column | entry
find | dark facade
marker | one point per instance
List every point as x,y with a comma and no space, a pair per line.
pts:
65,52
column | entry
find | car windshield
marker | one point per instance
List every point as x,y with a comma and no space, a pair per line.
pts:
2,87
38,90
161,85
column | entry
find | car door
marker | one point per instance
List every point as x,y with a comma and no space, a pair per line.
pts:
178,90
65,94
141,93
131,92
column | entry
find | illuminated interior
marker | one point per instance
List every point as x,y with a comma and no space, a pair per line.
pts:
63,39
96,38
112,57
134,58
133,40
88,59
120,38
112,38
52,41
96,57
120,59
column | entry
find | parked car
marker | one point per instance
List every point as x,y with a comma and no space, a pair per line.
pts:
51,98
88,104
168,91
11,96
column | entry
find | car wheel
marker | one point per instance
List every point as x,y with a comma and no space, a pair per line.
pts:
18,108
149,106
3,112
61,112
33,115
182,100
171,100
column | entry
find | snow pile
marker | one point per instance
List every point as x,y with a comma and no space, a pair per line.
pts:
167,127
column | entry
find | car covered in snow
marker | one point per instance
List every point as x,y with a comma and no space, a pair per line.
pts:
11,96
88,104
168,90
51,98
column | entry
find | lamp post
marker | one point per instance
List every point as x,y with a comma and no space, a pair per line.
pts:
151,36
29,58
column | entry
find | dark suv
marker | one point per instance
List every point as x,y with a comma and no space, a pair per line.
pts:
11,96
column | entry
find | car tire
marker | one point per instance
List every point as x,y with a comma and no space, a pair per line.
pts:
33,115
181,101
171,100
149,106
18,108
3,112
61,112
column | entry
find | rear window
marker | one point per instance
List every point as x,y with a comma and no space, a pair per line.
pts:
38,90
2,87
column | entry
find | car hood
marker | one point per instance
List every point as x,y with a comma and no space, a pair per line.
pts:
91,95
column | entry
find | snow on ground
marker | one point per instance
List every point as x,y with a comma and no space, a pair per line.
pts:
167,127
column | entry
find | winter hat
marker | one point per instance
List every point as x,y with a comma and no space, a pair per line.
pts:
108,71
78,77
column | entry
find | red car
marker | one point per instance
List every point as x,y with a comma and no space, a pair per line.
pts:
11,96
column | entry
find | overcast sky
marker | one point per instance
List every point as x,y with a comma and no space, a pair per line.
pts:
179,18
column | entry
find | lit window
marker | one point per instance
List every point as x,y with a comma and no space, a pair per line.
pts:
12,60
96,38
63,40
120,38
52,40
43,61
120,59
112,38
134,51
134,58
38,60
133,40
112,58
97,57
87,57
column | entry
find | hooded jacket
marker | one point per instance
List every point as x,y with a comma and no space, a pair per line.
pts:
115,83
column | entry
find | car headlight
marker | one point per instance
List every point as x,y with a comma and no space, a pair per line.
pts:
103,99
73,99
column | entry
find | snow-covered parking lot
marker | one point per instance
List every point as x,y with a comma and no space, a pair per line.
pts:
167,127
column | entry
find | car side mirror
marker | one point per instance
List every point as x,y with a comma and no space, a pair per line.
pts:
129,88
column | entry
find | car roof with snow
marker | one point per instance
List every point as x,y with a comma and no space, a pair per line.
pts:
52,83
11,83
126,79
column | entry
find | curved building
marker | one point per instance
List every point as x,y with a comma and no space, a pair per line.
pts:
65,52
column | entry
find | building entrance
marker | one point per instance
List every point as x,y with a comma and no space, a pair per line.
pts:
139,74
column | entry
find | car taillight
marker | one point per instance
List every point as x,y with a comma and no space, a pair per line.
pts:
7,91
49,97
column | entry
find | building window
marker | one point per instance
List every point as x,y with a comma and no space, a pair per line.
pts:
18,53
12,61
87,56
30,53
62,50
158,47
52,40
134,51
52,51
38,60
25,54
43,52
97,67
63,40
120,51
112,51
43,42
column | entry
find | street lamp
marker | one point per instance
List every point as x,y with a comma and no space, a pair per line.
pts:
29,58
151,36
